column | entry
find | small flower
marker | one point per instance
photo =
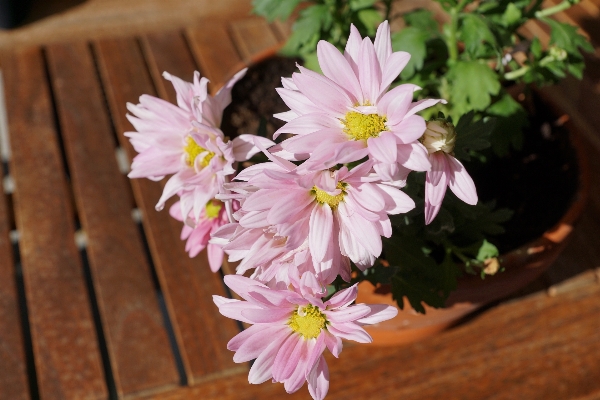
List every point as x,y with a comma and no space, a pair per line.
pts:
185,140
198,232
349,114
290,331
446,171
342,213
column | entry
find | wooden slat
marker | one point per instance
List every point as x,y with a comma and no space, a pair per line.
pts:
137,342
188,285
168,52
67,357
215,52
13,379
253,37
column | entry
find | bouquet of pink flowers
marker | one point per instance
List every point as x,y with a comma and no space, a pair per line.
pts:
303,224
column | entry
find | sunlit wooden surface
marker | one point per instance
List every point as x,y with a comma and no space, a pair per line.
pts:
96,302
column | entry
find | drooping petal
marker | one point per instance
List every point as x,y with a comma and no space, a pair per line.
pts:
318,380
460,181
379,313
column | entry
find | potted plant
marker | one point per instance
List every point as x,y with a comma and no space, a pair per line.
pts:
353,187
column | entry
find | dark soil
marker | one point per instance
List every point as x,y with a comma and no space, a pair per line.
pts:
538,182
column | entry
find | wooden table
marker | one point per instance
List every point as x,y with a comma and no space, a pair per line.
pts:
98,298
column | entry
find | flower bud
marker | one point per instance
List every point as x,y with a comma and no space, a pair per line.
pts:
439,136
491,266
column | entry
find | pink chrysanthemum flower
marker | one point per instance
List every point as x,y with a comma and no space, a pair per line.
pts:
185,140
343,213
290,331
446,171
349,113
197,232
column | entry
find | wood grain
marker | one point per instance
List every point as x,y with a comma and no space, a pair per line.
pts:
215,52
252,37
66,353
13,379
137,342
188,285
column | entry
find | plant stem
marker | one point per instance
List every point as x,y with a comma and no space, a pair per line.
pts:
452,43
555,9
512,75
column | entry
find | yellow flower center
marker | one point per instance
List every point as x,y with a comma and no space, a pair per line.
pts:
363,126
213,207
308,321
193,150
323,197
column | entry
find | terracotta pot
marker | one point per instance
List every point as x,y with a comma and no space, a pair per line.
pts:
522,266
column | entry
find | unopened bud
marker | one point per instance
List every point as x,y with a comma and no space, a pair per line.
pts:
439,136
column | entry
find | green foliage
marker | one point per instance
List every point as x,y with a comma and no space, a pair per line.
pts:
469,61
471,135
275,9
472,86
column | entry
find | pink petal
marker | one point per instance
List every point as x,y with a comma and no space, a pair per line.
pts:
335,66
389,102
423,104
244,146
308,123
343,298
379,313
352,50
350,331
298,102
410,129
284,364
369,71
431,211
392,68
298,376
435,191
241,285
414,156
266,316
318,380
309,142
396,201
323,93
347,314
262,368
383,148
215,257
383,43
250,343
319,237
333,343
461,183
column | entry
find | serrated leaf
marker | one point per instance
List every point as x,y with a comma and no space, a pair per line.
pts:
565,36
474,32
472,85
272,9
472,136
370,19
412,40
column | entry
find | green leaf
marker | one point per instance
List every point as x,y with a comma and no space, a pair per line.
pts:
511,118
306,29
472,85
421,19
472,136
511,16
370,19
360,4
487,250
474,32
565,36
272,9
536,48
418,278
411,40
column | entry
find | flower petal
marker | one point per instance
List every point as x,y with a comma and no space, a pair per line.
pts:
460,182
335,66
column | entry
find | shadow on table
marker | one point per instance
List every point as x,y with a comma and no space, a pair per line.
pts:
14,13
